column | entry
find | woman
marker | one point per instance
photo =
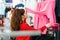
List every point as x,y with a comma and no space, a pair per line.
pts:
18,22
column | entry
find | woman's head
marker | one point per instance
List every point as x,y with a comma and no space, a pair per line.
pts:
17,17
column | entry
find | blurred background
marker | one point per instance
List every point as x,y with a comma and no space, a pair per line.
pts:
5,15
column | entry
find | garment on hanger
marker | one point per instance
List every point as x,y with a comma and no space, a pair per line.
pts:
20,5
2,8
18,2
47,14
6,10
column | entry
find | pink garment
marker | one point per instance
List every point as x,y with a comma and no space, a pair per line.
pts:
44,14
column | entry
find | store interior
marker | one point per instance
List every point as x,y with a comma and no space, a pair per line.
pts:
34,19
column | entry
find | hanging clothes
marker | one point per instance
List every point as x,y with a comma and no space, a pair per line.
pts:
44,14
6,10
18,2
2,7
20,5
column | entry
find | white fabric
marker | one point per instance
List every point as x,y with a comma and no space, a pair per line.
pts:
2,7
9,15
32,5
18,2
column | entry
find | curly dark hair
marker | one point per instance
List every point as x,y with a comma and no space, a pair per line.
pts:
16,19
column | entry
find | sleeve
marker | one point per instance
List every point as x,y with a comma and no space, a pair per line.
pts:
43,28
27,27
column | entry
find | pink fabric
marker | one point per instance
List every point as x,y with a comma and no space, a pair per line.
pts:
44,14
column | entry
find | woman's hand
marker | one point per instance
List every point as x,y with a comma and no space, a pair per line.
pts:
48,25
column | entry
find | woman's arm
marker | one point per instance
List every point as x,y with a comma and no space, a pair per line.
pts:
27,27
45,27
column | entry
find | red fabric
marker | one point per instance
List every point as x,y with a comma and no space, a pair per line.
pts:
25,26
1,24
